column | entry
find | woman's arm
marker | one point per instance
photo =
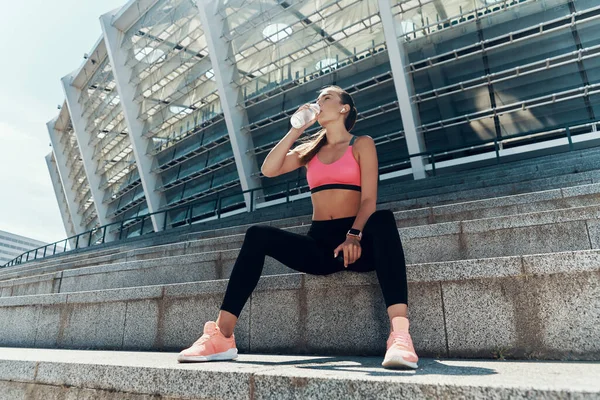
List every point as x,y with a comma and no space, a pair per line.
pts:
369,174
280,160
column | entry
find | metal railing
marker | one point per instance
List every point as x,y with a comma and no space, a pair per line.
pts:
98,235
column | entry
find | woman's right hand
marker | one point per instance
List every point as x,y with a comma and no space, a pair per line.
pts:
309,123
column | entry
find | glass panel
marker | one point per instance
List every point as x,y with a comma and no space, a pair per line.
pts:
589,33
544,117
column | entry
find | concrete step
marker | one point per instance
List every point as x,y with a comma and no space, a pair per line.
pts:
576,228
545,200
538,232
81,255
68,374
423,198
544,306
567,197
476,173
508,185
509,172
443,177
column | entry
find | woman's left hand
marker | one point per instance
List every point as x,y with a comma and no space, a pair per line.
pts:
351,249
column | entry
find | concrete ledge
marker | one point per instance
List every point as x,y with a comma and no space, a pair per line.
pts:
67,374
568,229
437,195
79,255
531,233
577,196
37,284
576,228
464,193
458,309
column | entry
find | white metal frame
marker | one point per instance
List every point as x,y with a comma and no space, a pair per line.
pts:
112,28
230,95
61,163
84,138
61,199
404,90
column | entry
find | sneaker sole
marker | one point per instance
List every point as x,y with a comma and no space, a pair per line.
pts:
230,354
398,362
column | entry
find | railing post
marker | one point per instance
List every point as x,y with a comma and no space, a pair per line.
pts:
165,222
104,232
45,248
27,258
65,246
54,250
251,200
432,162
218,205
90,239
35,255
142,227
121,228
568,131
497,149
77,242
287,192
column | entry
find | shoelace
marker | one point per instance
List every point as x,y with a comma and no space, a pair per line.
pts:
205,337
403,339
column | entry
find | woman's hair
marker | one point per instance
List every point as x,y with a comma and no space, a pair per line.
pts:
311,145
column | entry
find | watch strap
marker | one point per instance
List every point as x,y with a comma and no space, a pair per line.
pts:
354,232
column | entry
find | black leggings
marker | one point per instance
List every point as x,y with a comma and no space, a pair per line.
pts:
313,254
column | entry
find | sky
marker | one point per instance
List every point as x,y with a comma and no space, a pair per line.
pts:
40,42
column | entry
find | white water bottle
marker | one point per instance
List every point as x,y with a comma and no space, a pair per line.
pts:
300,118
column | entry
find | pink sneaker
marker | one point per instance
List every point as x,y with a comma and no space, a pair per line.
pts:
211,346
400,351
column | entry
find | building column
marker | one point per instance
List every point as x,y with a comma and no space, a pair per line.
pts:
404,89
225,72
122,73
84,139
61,199
63,170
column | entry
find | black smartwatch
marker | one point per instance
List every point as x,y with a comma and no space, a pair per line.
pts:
355,233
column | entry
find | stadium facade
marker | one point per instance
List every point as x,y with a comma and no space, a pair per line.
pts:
179,101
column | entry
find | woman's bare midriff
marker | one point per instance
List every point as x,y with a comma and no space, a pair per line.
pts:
335,203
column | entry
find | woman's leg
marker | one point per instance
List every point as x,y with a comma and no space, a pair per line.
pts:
383,252
299,252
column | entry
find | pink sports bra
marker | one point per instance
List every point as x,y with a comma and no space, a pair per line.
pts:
343,173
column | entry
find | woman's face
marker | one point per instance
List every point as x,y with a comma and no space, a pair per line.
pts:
330,103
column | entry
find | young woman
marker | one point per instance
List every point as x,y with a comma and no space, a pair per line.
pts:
346,233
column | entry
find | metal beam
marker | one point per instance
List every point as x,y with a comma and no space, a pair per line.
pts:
235,118
404,89
61,162
122,18
84,138
61,199
155,200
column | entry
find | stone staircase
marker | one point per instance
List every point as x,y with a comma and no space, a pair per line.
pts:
504,263
76,374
